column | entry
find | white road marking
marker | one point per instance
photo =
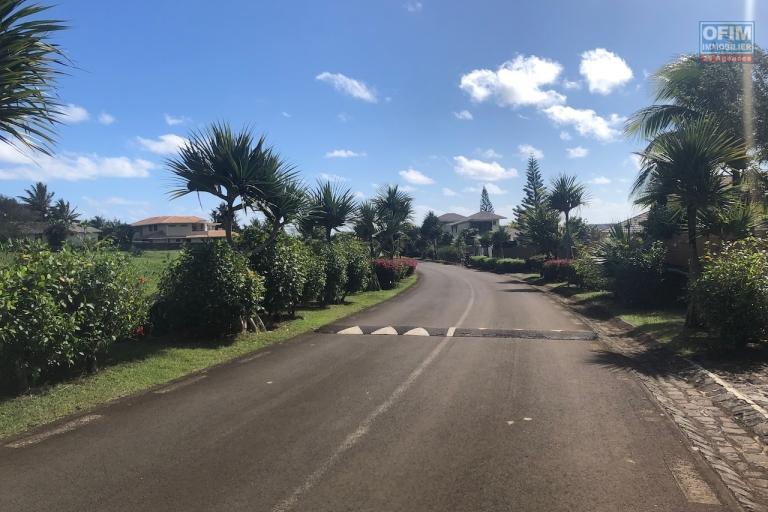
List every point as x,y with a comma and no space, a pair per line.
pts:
386,330
351,330
450,332
255,356
269,382
174,387
418,331
527,419
364,427
66,427
510,422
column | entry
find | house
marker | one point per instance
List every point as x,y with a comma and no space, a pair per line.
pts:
454,223
174,230
77,233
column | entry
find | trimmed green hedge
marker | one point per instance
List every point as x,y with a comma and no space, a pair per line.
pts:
499,265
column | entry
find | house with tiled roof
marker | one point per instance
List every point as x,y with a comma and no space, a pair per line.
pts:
454,223
174,230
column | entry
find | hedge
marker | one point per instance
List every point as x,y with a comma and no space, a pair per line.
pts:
390,271
558,270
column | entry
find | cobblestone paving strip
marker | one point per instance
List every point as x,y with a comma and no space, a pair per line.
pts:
728,432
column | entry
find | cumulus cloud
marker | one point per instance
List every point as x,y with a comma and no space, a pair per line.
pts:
447,192
334,178
586,121
106,119
167,144
604,70
515,83
343,153
480,170
413,6
568,84
174,120
349,86
600,180
565,135
286,115
416,177
577,152
488,154
15,165
464,115
492,189
72,114
526,150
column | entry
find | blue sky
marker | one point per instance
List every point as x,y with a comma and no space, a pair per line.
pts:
439,96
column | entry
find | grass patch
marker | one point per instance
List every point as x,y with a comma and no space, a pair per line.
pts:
137,366
150,266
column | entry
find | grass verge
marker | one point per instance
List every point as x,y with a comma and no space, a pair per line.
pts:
138,366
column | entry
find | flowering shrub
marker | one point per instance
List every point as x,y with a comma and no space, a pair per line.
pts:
558,270
284,266
389,272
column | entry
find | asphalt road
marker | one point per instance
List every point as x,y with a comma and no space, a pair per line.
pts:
332,422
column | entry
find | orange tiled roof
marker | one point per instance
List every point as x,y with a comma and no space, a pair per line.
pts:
170,219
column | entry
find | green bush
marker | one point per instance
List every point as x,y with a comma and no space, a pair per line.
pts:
448,253
535,263
588,273
336,262
732,292
509,265
284,267
558,271
477,261
358,265
315,282
208,290
638,276
61,310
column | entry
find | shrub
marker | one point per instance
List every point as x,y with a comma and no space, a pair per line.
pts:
588,273
207,290
407,266
335,260
449,253
535,263
509,265
733,292
284,267
61,310
315,282
558,270
638,275
358,265
390,271
476,261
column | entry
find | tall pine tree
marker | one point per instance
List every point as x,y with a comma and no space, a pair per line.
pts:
485,202
534,189
537,223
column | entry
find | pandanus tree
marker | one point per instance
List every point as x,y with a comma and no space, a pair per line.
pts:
30,63
366,225
431,230
64,213
394,208
688,169
566,195
243,172
332,207
38,199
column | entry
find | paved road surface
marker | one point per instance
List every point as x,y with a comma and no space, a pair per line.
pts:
336,423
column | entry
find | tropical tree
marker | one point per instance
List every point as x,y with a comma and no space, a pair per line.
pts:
541,229
64,213
485,242
366,226
332,207
498,239
38,199
534,191
431,229
234,167
394,208
29,108
566,195
485,201
687,169
97,222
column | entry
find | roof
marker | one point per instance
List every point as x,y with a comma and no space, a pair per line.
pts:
451,217
635,224
82,229
170,219
486,216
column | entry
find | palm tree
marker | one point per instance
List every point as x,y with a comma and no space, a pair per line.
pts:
234,167
366,225
394,208
686,169
64,213
566,195
38,199
333,207
431,229
498,239
29,109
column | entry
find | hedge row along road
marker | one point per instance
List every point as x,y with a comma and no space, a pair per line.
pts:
335,422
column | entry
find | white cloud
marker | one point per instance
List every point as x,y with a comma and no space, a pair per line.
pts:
285,115
492,189
167,144
72,114
488,154
565,135
334,178
600,180
447,192
568,84
174,120
106,119
414,6
416,177
604,70
359,195
636,161
349,86
68,166
526,150
577,152
464,115
482,171
515,83
343,153
586,121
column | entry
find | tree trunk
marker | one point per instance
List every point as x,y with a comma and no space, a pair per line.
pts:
228,220
694,269
568,253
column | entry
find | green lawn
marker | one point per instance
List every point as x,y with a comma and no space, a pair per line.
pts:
137,366
151,264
